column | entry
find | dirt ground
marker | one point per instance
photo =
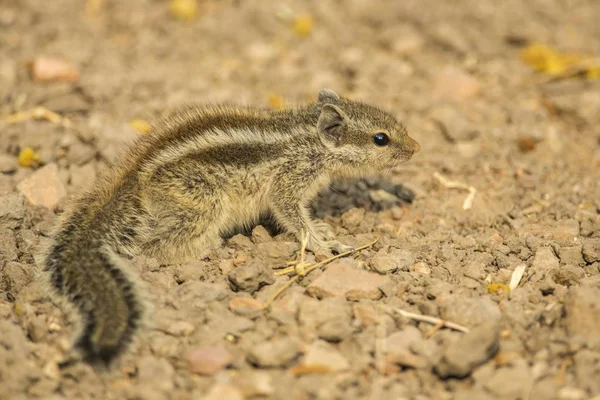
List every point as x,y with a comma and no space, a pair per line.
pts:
527,145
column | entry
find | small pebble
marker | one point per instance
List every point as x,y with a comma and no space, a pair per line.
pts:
250,276
222,391
245,305
341,279
208,360
47,69
324,355
460,358
279,352
43,187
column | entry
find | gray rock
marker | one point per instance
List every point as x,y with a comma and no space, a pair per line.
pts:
261,235
240,242
545,259
329,318
473,349
14,276
571,255
591,250
324,355
468,311
276,252
275,353
343,280
250,276
156,373
353,217
8,246
397,259
399,347
12,211
514,382
193,291
569,275
583,315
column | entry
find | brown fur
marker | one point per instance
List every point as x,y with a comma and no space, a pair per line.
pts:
196,175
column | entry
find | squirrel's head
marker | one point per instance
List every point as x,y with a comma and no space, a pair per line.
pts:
365,139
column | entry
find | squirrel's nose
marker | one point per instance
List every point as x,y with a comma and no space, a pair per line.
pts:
416,146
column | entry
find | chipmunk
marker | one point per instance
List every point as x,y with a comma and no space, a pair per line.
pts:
196,175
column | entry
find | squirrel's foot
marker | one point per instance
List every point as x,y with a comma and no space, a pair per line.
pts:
324,230
333,246
338,247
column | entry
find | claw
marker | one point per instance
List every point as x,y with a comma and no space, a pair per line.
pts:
330,246
339,248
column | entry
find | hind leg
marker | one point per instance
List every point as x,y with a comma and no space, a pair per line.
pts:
184,217
182,236
194,249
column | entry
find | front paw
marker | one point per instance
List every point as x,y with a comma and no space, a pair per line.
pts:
315,243
338,247
324,230
331,246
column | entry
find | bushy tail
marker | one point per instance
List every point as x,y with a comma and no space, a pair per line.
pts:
95,282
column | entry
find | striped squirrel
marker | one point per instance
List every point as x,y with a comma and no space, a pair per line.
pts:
196,175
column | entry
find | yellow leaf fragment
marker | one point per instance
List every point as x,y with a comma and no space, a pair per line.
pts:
498,288
19,310
184,10
593,73
587,206
542,58
29,158
310,369
552,62
140,125
303,25
36,113
276,101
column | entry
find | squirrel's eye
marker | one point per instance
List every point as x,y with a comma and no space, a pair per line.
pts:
381,139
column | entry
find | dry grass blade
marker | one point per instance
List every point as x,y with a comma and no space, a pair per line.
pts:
516,276
433,330
302,269
36,113
280,290
431,320
468,203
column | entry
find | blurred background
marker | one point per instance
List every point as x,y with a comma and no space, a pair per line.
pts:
467,77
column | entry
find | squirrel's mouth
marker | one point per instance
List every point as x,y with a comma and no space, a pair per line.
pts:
404,156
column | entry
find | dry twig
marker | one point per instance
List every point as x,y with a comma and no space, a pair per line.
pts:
301,269
36,113
468,203
431,320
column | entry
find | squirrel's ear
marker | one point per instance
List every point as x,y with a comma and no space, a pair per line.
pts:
327,96
331,123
